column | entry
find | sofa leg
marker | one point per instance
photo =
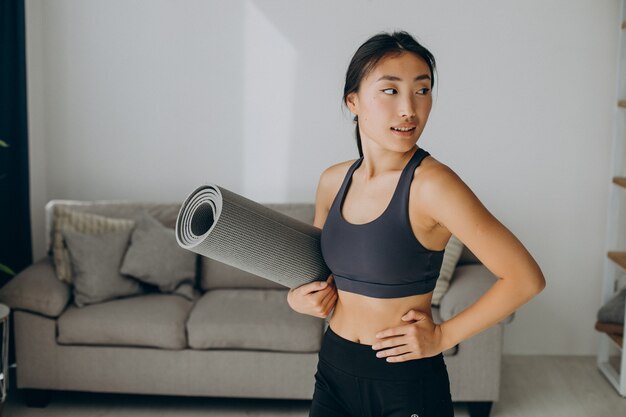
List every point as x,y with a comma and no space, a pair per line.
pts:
38,398
479,408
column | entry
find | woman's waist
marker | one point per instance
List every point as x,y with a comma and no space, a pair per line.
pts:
360,360
359,318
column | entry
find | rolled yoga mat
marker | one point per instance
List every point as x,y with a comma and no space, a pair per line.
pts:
222,225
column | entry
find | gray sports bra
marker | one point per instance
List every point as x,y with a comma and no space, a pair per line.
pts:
381,258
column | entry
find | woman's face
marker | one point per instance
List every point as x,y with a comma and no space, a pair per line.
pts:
395,93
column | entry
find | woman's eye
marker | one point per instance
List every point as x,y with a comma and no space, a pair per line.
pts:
425,90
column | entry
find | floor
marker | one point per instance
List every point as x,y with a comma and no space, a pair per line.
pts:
532,386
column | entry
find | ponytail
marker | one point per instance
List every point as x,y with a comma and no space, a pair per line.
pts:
357,134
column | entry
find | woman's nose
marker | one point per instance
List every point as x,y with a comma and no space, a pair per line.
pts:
407,108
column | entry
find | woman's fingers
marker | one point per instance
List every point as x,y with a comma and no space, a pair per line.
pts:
330,301
312,287
326,294
314,298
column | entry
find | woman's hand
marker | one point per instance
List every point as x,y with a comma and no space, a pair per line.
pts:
419,339
316,298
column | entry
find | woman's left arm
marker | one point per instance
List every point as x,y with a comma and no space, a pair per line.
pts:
452,204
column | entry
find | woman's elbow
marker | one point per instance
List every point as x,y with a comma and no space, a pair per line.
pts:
538,284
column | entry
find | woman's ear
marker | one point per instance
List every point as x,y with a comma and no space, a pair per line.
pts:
353,103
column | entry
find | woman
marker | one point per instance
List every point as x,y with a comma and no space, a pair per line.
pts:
386,218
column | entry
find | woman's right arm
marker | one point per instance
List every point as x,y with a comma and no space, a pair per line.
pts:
317,298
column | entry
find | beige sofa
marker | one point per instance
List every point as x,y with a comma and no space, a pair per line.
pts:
238,338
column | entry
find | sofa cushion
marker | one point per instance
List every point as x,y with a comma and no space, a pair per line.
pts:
68,219
164,212
150,320
96,261
37,289
451,256
468,284
215,274
258,319
468,257
154,257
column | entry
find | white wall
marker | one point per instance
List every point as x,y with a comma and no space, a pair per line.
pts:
144,100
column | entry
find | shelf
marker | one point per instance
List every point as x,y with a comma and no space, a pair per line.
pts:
611,357
618,339
609,327
615,332
618,257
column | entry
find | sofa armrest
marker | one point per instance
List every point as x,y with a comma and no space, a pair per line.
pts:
37,289
467,285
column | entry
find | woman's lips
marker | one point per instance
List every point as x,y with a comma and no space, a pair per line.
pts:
403,133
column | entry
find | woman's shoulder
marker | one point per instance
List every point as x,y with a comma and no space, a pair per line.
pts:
431,168
338,170
433,176
335,173
332,178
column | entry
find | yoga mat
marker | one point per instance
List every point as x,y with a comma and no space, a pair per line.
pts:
222,225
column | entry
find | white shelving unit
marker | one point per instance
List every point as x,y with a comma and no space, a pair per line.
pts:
611,358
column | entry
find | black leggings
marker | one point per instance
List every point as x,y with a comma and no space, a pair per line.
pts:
351,381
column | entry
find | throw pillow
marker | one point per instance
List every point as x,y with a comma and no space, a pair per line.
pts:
96,263
154,257
68,219
451,256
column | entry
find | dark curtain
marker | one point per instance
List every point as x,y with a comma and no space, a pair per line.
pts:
15,240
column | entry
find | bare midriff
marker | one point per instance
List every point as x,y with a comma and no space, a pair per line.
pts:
359,318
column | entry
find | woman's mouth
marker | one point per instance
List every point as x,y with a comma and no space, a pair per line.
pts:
403,131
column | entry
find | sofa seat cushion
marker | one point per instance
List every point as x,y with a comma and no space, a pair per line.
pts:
149,320
253,319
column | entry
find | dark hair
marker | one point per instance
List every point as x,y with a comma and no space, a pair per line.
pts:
371,52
